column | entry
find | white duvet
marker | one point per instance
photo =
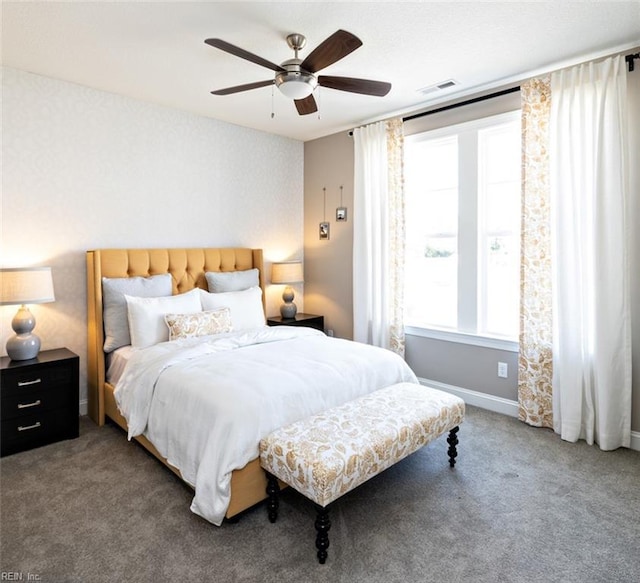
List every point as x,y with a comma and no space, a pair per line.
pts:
205,403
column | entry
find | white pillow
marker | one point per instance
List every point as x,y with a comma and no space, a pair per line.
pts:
116,324
246,306
230,281
146,316
198,324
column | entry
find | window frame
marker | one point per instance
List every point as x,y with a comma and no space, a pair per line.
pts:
468,233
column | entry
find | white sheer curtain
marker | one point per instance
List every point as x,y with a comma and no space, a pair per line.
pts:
378,235
590,238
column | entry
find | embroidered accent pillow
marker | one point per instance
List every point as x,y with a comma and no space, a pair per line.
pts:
198,324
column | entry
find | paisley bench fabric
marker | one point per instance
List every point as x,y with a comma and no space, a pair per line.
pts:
327,455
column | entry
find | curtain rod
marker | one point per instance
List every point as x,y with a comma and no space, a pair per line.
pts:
628,58
463,103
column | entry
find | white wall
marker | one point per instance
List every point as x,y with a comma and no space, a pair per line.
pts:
84,169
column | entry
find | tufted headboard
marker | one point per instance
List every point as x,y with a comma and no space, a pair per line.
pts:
187,268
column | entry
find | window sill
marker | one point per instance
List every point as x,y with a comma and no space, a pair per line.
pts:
461,338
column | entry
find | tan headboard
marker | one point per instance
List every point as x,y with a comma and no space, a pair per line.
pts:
187,268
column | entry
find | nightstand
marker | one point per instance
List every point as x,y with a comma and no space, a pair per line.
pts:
309,320
40,400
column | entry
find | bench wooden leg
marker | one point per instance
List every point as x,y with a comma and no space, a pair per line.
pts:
452,440
322,524
273,490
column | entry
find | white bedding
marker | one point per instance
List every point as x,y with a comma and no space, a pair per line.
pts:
205,403
116,362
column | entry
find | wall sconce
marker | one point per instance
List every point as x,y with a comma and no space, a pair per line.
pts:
20,286
341,211
324,227
287,272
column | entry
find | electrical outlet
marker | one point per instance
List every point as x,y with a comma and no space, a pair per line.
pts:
503,370
330,332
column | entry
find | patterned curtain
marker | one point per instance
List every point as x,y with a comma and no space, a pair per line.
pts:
395,151
535,365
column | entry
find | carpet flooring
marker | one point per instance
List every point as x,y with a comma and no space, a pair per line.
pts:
520,506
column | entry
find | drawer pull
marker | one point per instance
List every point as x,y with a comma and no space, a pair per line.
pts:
27,405
34,426
27,383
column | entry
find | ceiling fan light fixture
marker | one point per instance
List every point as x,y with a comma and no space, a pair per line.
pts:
296,84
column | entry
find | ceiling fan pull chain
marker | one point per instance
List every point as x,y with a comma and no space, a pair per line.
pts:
272,112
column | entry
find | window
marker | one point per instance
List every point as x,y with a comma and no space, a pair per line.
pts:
463,228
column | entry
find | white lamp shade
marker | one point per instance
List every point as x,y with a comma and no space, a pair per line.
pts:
26,285
287,272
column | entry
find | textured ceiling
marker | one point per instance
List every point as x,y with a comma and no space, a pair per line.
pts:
155,51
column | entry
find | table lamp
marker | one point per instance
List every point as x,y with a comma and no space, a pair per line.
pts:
287,272
20,286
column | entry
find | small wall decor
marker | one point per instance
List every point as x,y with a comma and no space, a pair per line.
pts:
324,225
341,211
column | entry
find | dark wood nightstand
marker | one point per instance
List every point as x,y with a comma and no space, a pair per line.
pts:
309,320
40,400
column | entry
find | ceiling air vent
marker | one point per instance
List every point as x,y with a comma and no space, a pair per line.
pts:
438,86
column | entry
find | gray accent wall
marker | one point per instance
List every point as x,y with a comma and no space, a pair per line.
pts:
463,365
328,269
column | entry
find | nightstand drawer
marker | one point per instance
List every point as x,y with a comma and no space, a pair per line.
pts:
34,430
16,382
39,401
21,403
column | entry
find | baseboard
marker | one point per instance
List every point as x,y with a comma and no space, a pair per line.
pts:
477,399
496,404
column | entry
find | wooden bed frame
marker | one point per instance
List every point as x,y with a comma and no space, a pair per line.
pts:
187,268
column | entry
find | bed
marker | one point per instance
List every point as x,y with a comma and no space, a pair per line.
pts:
294,361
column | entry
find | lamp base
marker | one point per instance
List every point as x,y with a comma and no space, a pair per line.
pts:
288,310
23,346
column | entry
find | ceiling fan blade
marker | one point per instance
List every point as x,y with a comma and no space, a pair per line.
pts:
239,88
306,106
364,86
332,49
238,52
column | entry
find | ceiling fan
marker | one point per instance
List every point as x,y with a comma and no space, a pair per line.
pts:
297,78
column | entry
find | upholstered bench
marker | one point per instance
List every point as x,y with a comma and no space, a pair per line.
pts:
329,454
